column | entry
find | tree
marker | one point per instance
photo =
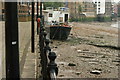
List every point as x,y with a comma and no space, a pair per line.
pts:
55,5
80,9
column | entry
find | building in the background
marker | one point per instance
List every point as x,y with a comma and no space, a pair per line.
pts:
108,8
2,11
61,15
118,8
35,8
103,7
100,6
80,9
114,11
88,8
74,9
23,12
115,8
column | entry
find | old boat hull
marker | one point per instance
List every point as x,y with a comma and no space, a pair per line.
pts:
59,32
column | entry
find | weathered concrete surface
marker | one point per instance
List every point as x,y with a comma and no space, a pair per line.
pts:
0,50
24,44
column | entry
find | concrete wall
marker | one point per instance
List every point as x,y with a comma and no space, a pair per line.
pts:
100,5
0,42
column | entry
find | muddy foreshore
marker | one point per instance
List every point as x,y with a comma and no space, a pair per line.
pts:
91,51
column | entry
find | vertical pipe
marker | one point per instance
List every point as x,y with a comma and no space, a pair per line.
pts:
41,16
40,9
11,41
32,30
37,16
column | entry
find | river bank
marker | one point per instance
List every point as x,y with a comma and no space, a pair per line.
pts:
91,51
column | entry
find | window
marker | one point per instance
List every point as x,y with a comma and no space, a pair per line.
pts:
60,19
3,10
50,15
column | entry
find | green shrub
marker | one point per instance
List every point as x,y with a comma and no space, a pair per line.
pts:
83,19
106,19
90,19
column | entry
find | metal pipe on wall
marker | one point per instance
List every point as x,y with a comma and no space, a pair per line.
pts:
37,16
32,30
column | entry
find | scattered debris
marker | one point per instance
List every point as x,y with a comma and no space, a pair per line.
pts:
104,61
56,47
103,56
86,56
85,50
62,63
73,47
61,75
93,63
111,66
93,56
117,64
115,60
71,64
78,73
95,72
98,36
79,51
51,42
109,71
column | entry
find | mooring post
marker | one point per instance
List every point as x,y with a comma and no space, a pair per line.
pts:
32,31
11,41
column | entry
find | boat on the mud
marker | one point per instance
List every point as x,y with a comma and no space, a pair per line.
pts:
57,22
59,32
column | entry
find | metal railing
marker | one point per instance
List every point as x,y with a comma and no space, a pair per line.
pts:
49,67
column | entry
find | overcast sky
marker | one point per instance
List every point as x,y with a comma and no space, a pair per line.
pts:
116,0
104,0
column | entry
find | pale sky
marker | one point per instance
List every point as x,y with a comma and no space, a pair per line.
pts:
116,1
109,0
